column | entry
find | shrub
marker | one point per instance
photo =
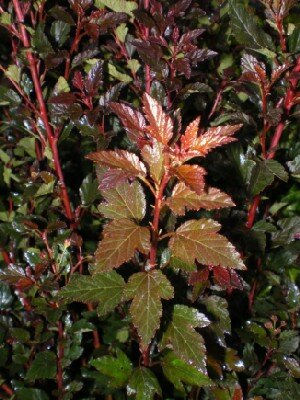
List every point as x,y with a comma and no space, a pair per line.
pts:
170,268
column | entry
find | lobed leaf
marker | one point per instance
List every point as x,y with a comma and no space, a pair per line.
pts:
160,124
124,201
182,338
143,384
106,289
183,198
192,176
120,240
120,159
198,239
147,289
178,372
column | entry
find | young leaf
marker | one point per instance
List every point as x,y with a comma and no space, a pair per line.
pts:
143,384
118,369
120,240
154,157
178,372
120,5
124,201
120,159
246,30
182,338
198,239
190,135
107,289
132,120
192,176
184,198
147,289
160,124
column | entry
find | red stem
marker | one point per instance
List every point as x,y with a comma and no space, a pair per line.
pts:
287,105
155,223
7,389
147,68
6,257
43,110
96,339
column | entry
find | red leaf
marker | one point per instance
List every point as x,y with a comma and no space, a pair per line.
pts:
161,125
190,135
222,276
199,276
94,79
238,394
111,178
133,121
78,80
192,176
63,98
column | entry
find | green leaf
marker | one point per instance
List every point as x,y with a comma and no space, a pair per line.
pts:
263,174
6,297
245,28
89,191
31,394
112,70
187,344
120,240
288,342
118,5
198,239
8,97
143,384
107,289
178,372
147,289
183,198
121,32
37,369
5,18
118,369
40,41
14,73
60,30
289,227
62,85
294,41
124,201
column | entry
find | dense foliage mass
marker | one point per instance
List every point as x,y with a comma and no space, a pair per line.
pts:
149,199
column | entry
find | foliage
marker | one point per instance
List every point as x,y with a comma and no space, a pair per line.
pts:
149,206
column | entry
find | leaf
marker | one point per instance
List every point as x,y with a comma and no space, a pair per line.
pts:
143,384
154,157
112,70
190,135
88,190
31,394
120,240
120,5
93,79
132,120
118,369
120,159
263,175
192,176
124,201
178,372
60,30
37,369
160,124
182,338
294,41
183,198
198,239
40,41
147,289
246,30
107,289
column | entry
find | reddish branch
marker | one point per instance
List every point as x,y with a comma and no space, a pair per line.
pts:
155,223
7,389
287,104
147,68
52,137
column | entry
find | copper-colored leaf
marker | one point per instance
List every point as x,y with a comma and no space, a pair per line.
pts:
133,121
190,135
154,157
147,289
192,176
184,198
214,137
111,178
124,201
120,159
160,124
120,240
198,239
